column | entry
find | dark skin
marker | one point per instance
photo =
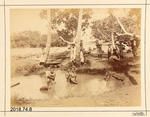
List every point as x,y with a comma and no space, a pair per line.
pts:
51,78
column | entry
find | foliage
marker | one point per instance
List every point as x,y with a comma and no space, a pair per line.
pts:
33,39
65,21
102,29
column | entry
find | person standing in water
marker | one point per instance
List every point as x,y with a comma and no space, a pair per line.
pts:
71,76
50,75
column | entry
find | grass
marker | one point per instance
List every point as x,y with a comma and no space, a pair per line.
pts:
25,61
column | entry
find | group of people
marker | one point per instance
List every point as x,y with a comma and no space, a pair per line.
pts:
73,53
71,77
120,46
116,51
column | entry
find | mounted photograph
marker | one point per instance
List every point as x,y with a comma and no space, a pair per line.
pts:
75,57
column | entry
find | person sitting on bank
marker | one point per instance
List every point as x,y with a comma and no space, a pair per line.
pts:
121,48
134,45
116,50
99,48
109,51
82,57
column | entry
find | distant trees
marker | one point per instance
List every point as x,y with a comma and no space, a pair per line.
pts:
33,39
25,39
64,23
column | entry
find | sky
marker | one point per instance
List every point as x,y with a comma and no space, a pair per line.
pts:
22,19
29,19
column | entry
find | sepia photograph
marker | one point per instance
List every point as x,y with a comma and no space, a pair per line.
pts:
75,57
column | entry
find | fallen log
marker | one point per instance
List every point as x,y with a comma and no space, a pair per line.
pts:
109,75
18,83
44,88
131,78
119,77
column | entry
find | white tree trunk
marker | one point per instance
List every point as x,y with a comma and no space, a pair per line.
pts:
78,36
112,40
49,30
121,25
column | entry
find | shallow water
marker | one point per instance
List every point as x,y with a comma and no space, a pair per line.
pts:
88,85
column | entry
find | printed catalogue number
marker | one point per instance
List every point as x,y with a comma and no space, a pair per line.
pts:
21,109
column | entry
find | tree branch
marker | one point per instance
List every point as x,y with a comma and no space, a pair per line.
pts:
122,27
66,41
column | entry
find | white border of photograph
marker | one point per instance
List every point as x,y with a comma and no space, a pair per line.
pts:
148,57
1,2
1,58
8,77
30,2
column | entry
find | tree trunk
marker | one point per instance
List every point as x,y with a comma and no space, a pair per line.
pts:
48,44
78,36
112,40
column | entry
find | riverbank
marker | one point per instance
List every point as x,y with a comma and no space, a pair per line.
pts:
91,91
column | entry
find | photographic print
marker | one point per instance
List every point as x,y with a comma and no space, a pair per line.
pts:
75,57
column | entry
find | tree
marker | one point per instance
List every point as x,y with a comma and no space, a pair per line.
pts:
25,39
68,23
135,14
65,21
102,29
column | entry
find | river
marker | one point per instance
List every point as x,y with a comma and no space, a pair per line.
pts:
88,85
